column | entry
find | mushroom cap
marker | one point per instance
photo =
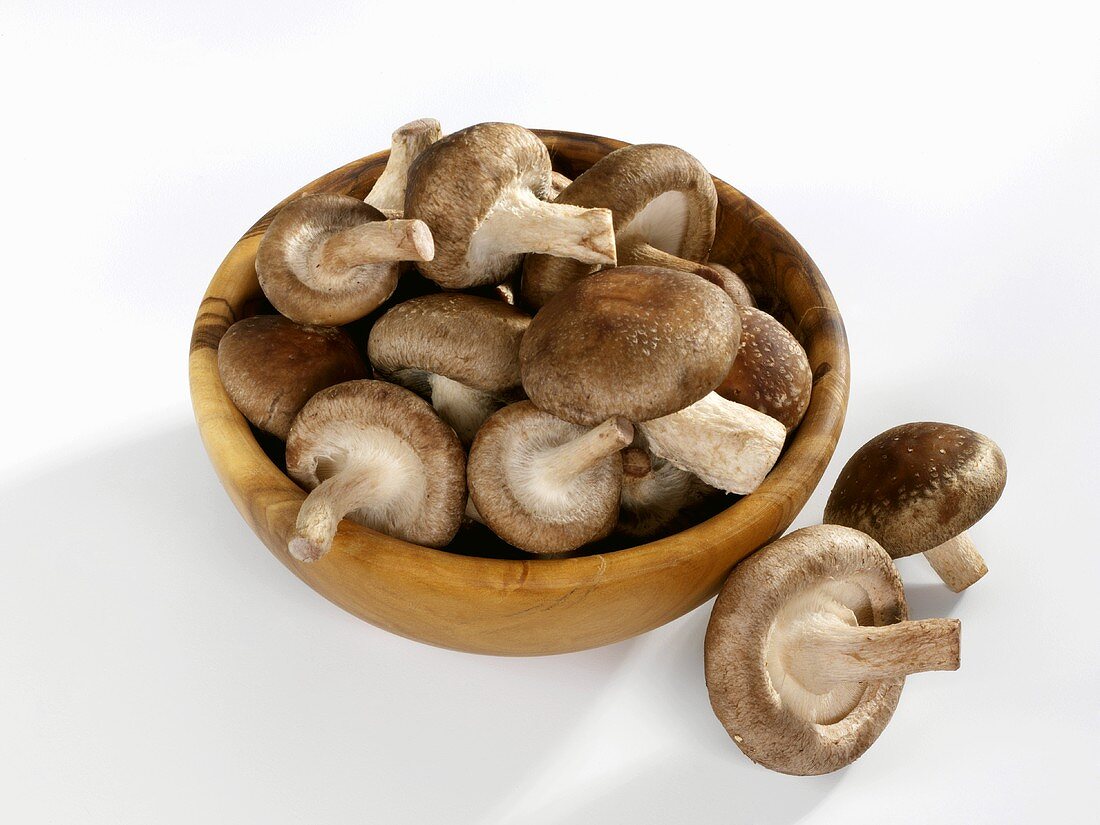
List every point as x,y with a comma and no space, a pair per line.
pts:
918,485
660,192
394,432
271,366
771,372
472,340
641,342
284,253
525,513
455,182
850,569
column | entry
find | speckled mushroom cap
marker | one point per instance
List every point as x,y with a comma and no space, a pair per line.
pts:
641,342
516,492
308,283
454,185
760,709
472,340
771,372
656,192
408,464
271,366
918,485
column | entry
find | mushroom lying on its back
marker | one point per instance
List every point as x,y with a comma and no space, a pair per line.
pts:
331,259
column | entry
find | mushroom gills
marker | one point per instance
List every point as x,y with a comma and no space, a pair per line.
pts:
367,474
662,224
463,408
553,477
653,500
520,223
823,651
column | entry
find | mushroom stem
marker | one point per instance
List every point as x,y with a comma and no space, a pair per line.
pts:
728,445
525,224
636,463
826,651
335,497
388,193
640,253
463,407
560,465
958,562
331,262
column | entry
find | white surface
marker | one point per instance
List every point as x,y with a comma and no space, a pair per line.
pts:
938,162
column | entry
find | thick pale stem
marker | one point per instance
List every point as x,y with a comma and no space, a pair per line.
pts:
320,514
373,242
825,651
957,562
564,463
526,224
388,194
728,445
464,408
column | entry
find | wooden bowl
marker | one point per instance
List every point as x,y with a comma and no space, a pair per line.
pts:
536,606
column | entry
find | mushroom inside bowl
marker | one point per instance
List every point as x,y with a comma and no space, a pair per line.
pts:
540,605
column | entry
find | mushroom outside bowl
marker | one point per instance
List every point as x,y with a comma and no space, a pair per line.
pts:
535,606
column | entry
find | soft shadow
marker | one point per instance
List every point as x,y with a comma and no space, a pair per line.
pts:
184,629
931,600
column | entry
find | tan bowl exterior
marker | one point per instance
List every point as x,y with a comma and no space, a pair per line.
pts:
536,606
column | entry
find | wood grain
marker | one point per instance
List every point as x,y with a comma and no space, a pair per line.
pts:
536,606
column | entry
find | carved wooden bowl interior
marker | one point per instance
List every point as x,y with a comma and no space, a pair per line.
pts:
459,599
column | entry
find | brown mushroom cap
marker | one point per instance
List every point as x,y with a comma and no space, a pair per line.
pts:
468,339
771,372
640,342
461,350
543,484
456,185
331,259
271,366
918,485
773,692
379,455
659,195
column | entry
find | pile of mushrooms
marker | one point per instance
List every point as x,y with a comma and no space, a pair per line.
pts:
566,366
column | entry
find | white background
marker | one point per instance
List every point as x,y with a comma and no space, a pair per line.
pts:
939,162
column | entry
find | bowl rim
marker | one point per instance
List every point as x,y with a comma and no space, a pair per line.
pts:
268,499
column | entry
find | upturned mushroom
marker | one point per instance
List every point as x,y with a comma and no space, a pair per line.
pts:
640,342
331,259
664,205
809,645
918,488
771,372
483,192
388,193
655,494
379,455
270,367
460,350
543,484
